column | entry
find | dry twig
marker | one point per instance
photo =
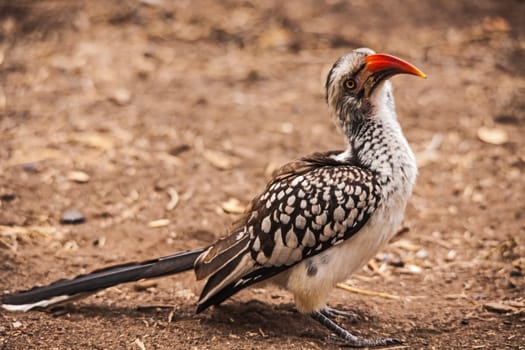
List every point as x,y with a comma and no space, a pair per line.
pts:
351,289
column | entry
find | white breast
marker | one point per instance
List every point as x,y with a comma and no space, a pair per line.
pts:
311,280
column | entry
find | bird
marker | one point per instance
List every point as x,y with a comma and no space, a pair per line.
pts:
318,220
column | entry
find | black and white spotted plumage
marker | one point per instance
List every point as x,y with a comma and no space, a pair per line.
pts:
310,205
319,219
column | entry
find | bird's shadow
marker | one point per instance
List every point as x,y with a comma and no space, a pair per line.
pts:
268,320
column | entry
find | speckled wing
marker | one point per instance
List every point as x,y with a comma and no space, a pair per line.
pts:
310,205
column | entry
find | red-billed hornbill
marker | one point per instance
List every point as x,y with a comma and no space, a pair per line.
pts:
319,219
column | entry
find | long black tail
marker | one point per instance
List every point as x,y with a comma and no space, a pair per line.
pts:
62,291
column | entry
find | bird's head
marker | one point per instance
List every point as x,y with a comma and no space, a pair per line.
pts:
357,86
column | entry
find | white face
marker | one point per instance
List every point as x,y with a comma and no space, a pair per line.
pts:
350,94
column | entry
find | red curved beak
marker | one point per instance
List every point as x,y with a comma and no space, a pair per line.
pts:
386,63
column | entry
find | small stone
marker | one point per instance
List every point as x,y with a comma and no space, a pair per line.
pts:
70,245
397,263
479,296
422,254
515,273
286,128
99,242
17,324
493,136
78,176
121,96
7,197
30,167
411,269
451,255
72,217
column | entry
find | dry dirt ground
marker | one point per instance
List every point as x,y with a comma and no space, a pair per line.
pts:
117,108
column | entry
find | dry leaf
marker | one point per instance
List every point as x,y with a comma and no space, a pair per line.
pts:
220,160
351,289
430,153
141,286
496,24
174,199
140,344
493,136
411,269
23,156
406,245
272,167
498,307
233,206
184,294
276,37
95,140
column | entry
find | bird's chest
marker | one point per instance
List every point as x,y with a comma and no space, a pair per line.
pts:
312,279
337,263
355,252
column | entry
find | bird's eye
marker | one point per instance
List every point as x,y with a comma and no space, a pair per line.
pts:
350,84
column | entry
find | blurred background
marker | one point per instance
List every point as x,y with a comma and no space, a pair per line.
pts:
151,124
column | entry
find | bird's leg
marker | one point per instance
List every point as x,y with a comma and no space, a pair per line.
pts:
333,313
349,338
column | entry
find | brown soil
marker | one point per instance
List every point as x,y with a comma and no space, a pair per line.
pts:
205,98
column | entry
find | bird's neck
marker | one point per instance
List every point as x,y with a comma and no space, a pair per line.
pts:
381,147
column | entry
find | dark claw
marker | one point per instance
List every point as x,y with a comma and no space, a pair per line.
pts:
346,338
363,343
334,313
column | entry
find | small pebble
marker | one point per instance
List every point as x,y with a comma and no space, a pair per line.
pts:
17,324
451,255
7,197
121,96
30,167
422,254
478,296
397,263
72,217
99,242
78,176
411,270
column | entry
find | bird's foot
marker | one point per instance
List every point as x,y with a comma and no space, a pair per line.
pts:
345,338
334,313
